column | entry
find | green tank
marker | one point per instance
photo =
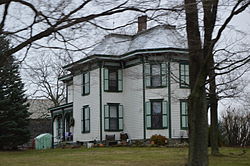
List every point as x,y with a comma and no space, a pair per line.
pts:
43,141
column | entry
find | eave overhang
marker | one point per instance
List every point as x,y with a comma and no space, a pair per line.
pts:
64,106
124,56
66,78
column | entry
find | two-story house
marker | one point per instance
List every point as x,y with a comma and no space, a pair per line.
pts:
136,84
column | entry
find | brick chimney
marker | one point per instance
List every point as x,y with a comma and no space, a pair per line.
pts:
142,23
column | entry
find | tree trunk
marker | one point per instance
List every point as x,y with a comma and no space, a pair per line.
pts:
197,111
198,136
209,18
214,133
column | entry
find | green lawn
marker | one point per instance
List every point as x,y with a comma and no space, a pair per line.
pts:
118,156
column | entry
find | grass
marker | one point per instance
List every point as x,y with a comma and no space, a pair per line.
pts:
118,156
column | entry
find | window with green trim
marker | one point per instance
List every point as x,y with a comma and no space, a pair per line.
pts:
85,119
113,117
59,127
86,83
184,75
112,80
184,114
157,114
156,75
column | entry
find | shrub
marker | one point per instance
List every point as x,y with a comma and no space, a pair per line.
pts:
158,139
138,143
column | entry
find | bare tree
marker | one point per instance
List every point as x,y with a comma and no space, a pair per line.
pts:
42,75
201,58
58,21
235,127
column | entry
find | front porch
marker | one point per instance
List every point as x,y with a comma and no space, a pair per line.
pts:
62,123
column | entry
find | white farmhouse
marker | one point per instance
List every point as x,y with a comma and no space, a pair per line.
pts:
134,84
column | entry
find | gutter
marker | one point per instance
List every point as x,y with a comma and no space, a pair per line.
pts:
124,56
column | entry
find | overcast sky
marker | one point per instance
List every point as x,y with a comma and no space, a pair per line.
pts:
94,35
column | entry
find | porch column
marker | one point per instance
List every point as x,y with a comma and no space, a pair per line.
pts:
63,125
52,132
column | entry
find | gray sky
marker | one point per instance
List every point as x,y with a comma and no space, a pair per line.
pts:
91,35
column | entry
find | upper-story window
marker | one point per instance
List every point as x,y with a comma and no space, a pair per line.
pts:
112,80
85,83
184,75
156,75
69,92
157,114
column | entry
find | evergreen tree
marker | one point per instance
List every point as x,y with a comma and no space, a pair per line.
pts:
13,107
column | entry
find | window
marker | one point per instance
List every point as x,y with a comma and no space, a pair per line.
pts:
59,127
85,83
85,119
184,114
156,75
157,114
113,117
184,75
112,80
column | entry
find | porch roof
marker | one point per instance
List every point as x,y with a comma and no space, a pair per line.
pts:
61,107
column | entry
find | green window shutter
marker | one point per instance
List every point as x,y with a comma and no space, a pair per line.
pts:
184,115
87,83
106,78
187,73
163,74
120,79
184,122
82,85
147,75
106,117
87,119
82,116
165,114
148,114
181,75
120,117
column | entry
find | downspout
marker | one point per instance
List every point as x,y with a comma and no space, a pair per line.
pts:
169,100
143,98
100,92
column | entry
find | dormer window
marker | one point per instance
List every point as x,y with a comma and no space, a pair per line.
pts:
112,80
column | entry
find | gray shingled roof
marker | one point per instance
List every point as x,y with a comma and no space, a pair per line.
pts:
162,36
39,108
